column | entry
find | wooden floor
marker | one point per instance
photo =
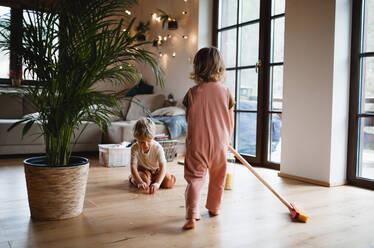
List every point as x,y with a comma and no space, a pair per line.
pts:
117,215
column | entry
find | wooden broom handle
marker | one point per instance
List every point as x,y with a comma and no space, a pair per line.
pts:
246,164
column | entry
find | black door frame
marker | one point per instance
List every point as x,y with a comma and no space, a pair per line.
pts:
354,102
263,111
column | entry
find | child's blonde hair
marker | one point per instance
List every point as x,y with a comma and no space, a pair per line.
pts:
144,129
208,66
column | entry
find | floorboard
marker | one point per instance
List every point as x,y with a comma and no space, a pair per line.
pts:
118,215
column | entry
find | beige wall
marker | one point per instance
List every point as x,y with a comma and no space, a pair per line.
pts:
176,68
197,24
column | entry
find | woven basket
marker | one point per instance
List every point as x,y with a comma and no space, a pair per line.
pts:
169,147
56,193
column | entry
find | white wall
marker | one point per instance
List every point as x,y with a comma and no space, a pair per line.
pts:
316,80
342,48
205,23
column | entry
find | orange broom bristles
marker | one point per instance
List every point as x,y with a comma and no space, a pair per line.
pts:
296,215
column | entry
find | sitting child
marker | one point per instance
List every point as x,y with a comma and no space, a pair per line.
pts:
148,163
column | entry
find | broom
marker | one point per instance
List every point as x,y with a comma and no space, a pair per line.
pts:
294,212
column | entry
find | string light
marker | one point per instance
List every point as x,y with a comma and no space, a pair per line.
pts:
174,54
165,38
160,54
169,36
128,12
185,37
184,12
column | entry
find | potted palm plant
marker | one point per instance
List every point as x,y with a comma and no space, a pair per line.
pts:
69,46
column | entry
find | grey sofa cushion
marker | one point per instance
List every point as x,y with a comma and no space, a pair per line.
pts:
28,106
121,131
11,107
12,142
14,136
124,107
150,102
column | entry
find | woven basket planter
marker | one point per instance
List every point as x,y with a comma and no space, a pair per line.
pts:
56,193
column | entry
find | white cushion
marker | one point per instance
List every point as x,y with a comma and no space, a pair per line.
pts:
168,111
32,115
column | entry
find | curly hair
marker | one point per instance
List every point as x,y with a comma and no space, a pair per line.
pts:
144,129
208,66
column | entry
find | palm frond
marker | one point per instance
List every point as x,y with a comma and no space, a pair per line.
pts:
68,49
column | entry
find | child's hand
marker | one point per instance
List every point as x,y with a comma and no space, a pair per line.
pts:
153,188
143,186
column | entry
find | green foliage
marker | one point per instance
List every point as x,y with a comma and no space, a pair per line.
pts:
68,49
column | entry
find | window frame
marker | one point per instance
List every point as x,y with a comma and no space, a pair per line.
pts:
15,63
354,99
263,110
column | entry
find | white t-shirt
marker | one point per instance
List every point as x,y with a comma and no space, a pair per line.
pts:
149,160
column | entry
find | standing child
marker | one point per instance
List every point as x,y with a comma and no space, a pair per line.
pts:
148,163
209,114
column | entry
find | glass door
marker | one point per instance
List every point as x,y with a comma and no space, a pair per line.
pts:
250,37
361,126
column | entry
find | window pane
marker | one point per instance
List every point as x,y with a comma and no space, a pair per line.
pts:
366,147
227,46
367,79
276,82
49,35
274,142
247,89
277,40
249,10
4,55
246,133
278,7
368,26
227,13
28,17
249,40
230,82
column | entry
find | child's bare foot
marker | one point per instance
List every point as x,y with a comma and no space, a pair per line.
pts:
213,213
190,224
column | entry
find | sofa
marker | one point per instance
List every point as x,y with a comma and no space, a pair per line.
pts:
139,106
14,108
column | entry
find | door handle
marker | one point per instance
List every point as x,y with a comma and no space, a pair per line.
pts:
258,65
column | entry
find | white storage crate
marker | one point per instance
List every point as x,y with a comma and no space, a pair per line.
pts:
113,155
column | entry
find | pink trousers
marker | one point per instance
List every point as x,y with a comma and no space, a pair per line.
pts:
196,165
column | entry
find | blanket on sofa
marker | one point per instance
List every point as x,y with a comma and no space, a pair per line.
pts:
176,125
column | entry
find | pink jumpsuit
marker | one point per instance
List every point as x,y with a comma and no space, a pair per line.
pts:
209,125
